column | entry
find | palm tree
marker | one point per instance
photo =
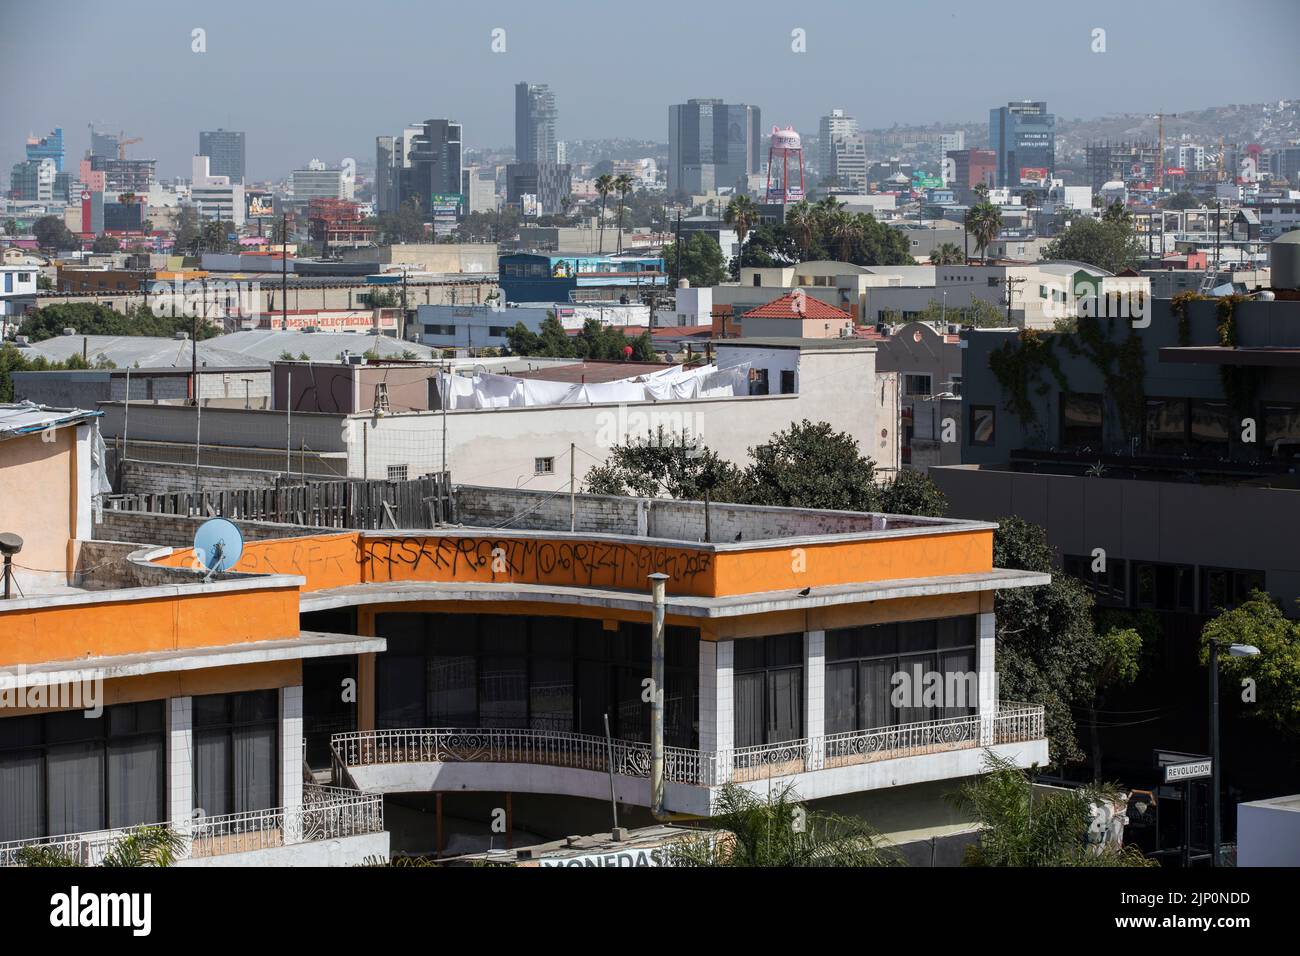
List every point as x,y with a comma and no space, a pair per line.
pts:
947,254
801,220
741,215
984,222
778,831
844,230
604,186
624,186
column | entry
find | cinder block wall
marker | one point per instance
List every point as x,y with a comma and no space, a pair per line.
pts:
156,477
177,531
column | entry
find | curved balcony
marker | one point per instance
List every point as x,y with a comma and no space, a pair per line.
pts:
543,761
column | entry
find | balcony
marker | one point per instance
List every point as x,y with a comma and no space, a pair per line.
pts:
326,814
527,760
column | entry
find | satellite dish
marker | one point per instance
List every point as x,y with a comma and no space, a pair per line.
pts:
217,545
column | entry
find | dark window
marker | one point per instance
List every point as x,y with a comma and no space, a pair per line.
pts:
1081,419
1166,426
1280,431
982,419
877,675
68,773
758,381
915,383
544,673
1209,427
768,689
787,382
1108,587
236,744
1225,588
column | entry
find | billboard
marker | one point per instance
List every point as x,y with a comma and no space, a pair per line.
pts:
1033,174
446,204
260,206
1175,171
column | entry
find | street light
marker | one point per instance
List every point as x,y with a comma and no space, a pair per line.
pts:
1234,650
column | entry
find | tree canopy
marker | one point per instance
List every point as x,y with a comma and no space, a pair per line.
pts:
825,230
1108,243
90,318
595,342
1275,673
702,261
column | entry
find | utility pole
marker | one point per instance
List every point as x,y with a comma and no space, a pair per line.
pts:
284,272
573,500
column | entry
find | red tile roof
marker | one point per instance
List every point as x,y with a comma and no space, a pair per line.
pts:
797,304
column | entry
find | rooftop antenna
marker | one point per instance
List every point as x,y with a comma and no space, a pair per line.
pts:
217,546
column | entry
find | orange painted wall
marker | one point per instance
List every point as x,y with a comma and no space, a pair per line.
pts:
56,633
337,560
885,559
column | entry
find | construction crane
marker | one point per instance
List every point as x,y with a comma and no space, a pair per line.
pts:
123,143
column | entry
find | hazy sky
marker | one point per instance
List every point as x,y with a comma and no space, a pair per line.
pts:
321,78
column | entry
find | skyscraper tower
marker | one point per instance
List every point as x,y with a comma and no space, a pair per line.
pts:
535,116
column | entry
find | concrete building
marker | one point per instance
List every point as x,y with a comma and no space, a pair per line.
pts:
49,146
560,277
548,185
487,326
928,362
225,149
1023,135
216,197
787,688
140,686
842,154
712,145
535,123
33,180
318,182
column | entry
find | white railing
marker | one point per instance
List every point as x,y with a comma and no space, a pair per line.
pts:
327,813
1012,723
85,849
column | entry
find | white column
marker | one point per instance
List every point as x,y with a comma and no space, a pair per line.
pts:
291,761
180,764
814,696
717,715
985,647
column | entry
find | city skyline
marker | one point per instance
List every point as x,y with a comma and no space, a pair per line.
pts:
333,114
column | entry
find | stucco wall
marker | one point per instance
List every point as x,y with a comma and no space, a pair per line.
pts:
36,490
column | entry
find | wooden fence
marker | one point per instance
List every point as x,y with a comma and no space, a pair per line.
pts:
369,504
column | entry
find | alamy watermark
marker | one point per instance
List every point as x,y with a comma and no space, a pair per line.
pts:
21,690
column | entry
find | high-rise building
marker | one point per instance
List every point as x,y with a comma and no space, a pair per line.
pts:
1284,163
951,142
712,144
103,144
124,175
226,150
1023,135
535,115
1121,162
317,182
970,168
49,146
433,164
836,123
218,197
33,180
550,183
842,153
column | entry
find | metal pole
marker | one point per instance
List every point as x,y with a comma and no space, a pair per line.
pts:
1187,824
1214,753
573,500
288,425
657,581
198,431
126,416
609,749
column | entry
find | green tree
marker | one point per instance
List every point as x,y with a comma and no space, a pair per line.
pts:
843,230
946,254
604,186
1048,650
95,319
661,465
810,466
741,215
1108,244
983,221
776,830
801,222
977,313
1119,659
1182,200
702,261
104,244
51,233
622,183
1259,621
912,493
1019,827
